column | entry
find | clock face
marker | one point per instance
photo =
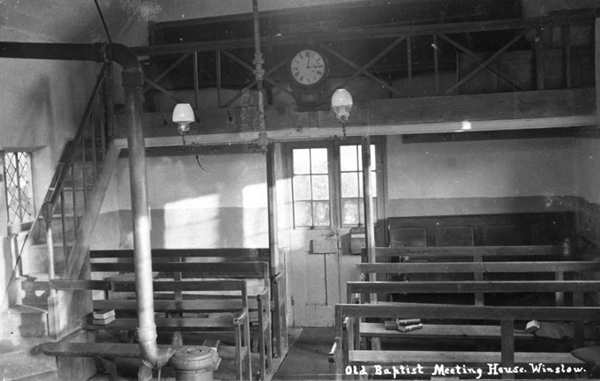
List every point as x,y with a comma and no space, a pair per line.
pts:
308,67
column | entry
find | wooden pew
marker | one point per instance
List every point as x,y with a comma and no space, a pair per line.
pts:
465,253
557,270
235,308
255,273
277,324
377,329
350,359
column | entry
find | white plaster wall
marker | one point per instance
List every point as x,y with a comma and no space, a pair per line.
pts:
492,169
220,203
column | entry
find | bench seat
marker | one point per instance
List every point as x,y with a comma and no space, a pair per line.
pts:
440,331
370,357
166,305
116,350
172,324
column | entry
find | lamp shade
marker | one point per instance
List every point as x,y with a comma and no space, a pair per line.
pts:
341,103
183,113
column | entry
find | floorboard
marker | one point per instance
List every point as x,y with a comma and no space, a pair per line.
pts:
307,358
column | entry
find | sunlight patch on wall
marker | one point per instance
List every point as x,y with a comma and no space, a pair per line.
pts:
192,223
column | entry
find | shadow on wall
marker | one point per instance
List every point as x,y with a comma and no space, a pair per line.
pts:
221,205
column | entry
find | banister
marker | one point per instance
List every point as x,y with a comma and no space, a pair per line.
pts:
132,81
79,135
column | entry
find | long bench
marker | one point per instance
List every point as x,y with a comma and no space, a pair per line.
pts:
277,324
233,316
467,253
475,332
350,360
555,270
255,273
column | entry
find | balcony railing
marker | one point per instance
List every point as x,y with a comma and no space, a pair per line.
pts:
423,60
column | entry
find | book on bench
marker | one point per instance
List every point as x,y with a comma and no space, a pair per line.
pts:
406,322
532,326
103,321
408,328
103,314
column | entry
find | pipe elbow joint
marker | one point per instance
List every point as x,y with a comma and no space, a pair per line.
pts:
152,356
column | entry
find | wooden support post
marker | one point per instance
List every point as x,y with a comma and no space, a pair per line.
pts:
368,200
560,296
539,58
566,40
578,326
436,64
507,328
597,60
196,79
478,276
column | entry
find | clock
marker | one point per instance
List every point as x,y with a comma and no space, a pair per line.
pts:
308,68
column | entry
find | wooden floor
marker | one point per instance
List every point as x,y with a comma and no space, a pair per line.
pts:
307,358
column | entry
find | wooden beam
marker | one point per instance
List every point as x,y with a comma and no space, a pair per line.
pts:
363,34
470,267
489,112
333,133
470,287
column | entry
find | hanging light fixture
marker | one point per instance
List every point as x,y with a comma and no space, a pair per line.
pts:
341,104
183,115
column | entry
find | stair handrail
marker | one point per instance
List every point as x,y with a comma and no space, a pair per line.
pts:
47,209
60,175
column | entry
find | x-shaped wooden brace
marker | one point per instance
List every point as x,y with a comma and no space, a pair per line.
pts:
484,64
253,83
154,84
363,69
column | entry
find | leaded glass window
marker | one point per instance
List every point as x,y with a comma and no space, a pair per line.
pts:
17,172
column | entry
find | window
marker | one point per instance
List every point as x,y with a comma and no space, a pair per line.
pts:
17,172
351,179
311,187
327,184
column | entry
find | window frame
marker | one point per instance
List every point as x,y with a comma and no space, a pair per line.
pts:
28,192
335,174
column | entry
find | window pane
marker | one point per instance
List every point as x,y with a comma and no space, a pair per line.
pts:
321,213
373,157
361,210
320,187
19,198
350,184
348,158
350,212
301,161
360,185
302,187
302,214
318,160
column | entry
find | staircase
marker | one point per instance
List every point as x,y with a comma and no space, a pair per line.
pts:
47,251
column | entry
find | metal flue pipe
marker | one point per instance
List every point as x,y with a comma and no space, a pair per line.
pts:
132,84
